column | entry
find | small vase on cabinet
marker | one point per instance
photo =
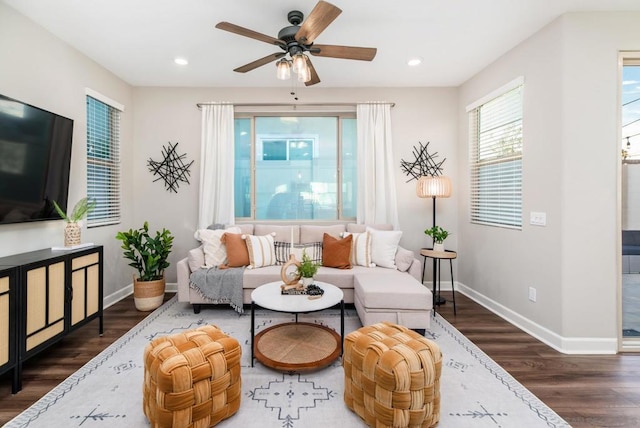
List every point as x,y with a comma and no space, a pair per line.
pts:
71,234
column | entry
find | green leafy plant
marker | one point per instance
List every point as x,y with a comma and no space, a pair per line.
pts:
148,254
82,208
437,233
307,268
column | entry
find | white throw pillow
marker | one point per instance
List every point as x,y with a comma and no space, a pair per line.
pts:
404,259
215,252
195,259
384,245
261,249
360,249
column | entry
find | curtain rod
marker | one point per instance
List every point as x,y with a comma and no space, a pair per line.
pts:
199,105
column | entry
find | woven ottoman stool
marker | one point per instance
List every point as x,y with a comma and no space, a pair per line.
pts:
392,376
191,379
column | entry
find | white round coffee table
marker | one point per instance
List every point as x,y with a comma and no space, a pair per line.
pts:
296,346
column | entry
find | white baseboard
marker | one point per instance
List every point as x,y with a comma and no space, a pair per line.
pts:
113,298
566,345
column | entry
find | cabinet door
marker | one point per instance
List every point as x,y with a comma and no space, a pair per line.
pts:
85,283
5,337
45,303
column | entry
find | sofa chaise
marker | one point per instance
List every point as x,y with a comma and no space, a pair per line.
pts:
390,290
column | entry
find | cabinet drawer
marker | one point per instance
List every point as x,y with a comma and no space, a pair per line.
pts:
4,284
80,262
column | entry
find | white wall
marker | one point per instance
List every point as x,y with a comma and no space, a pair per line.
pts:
502,264
571,166
170,114
591,225
41,70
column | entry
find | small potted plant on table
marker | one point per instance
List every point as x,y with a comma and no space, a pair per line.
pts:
148,256
73,227
439,235
307,269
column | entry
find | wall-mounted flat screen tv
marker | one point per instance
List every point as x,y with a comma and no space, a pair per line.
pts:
35,158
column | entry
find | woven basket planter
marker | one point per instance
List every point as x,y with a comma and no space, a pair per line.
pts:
392,376
148,295
192,379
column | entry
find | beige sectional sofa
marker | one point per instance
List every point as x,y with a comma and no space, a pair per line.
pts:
378,293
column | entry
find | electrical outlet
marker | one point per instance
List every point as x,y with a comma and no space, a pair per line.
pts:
532,294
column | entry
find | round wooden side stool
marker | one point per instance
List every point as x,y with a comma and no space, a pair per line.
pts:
392,376
191,379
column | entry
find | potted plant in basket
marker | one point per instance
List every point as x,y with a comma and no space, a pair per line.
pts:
148,255
307,269
72,230
439,235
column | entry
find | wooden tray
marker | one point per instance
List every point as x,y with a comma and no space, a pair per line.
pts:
297,346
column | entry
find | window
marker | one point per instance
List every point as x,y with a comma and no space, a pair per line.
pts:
495,142
103,160
295,167
284,148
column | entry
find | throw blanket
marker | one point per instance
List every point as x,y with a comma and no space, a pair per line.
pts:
219,285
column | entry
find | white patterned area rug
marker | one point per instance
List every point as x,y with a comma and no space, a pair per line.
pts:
107,391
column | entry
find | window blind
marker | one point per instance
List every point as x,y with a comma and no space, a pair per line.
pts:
495,141
103,162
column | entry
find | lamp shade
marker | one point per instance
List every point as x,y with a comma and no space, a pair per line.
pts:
299,62
433,187
304,75
284,69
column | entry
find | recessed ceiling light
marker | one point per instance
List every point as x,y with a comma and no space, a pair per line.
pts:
181,61
414,61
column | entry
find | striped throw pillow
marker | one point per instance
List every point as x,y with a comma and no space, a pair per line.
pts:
312,249
261,250
361,249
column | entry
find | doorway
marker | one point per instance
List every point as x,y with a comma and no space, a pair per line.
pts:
629,332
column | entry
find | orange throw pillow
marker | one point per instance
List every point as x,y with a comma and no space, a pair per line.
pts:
336,253
237,253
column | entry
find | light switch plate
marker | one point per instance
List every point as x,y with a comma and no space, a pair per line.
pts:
538,218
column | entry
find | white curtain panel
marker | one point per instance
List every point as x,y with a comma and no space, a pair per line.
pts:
216,165
376,179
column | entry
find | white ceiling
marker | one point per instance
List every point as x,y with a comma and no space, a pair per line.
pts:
138,39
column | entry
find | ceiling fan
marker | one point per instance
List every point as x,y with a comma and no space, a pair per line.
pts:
297,39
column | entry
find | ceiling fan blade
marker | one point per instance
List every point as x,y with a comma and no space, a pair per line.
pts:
320,17
314,76
344,52
233,28
260,62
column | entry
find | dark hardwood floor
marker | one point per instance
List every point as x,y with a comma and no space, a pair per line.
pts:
587,391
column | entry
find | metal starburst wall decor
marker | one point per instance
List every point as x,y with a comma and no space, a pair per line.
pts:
172,169
424,164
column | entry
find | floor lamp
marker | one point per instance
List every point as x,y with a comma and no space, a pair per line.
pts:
434,187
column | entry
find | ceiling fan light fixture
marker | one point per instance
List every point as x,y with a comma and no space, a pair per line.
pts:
304,75
299,62
283,69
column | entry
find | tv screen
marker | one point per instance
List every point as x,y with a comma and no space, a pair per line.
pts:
35,157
